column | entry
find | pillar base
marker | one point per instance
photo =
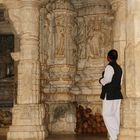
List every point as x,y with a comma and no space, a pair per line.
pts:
127,134
27,133
27,123
62,117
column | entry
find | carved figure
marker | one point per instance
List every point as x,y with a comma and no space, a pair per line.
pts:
95,43
81,37
60,31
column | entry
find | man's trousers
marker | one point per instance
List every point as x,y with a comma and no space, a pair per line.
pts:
111,116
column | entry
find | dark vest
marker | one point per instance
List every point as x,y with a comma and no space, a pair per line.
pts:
112,90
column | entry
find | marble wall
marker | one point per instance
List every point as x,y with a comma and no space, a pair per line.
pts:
75,38
62,53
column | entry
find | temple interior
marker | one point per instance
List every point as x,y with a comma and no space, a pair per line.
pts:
52,54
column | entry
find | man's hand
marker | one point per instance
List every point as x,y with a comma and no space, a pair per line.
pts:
100,80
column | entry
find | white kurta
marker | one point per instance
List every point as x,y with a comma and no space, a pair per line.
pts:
111,108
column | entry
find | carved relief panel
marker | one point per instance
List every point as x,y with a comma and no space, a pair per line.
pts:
94,36
80,39
94,39
76,41
60,26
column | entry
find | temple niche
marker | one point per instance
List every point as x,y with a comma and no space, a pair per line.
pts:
75,38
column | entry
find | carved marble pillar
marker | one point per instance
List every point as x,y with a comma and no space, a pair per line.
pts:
28,113
61,64
119,33
130,129
63,53
63,48
119,28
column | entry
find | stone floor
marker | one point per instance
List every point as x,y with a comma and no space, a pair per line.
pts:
70,137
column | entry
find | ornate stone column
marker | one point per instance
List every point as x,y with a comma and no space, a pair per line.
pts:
119,33
130,129
28,113
119,27
63,66
62,48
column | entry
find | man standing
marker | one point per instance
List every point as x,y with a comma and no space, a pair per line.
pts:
111,94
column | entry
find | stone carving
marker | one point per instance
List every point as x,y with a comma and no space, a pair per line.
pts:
80,38
16,56
28,111
5,117
48,37
15,18
63,4
60,38
61,28
61,53
48,28
95,38
62,114
76,44
71,30
95,42
116,4
90,38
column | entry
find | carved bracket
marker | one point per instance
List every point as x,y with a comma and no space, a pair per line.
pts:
16,56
